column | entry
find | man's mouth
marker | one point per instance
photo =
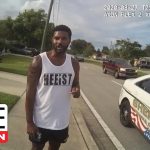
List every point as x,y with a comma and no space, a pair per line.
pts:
59,47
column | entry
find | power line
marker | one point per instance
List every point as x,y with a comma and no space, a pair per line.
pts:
58,10
53,12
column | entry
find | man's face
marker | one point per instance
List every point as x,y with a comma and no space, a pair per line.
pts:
60,41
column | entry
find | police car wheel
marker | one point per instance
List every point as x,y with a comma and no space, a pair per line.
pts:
125,114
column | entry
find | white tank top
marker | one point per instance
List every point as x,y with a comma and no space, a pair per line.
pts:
52,104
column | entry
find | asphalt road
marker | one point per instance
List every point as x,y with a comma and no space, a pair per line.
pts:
103,92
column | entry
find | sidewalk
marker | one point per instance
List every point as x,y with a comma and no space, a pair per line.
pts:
79,135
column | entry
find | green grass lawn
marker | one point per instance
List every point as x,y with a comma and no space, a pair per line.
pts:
140,73
8,99
15,64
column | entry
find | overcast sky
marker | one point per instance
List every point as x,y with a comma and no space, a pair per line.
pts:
90,19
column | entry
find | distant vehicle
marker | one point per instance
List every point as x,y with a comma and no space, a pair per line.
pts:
31,51
80,58
96,57
119,68
134,104
24,51
20,48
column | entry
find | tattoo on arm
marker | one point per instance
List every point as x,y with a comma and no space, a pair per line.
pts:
33,76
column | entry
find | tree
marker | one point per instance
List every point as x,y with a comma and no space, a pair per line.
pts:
6,29
82,47
147,51
10,34
98,53
89,50
115,53
29,27
2,45
26,28
78,46
127,49
106,50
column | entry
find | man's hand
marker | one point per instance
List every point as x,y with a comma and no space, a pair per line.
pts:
32,129
75,91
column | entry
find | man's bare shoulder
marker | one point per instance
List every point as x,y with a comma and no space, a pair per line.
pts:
36,62
35,66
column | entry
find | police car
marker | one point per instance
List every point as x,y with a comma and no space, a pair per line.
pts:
134,104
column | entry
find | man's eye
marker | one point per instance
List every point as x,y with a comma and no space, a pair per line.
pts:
64,38
56,38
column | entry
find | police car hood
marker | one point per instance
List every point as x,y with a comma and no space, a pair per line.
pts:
128,83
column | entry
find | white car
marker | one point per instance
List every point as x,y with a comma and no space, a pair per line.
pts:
134,104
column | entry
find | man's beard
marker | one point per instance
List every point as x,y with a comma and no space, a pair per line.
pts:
60,48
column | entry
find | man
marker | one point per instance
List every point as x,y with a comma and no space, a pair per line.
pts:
52,77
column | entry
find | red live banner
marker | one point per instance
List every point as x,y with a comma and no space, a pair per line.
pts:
3,136
3,123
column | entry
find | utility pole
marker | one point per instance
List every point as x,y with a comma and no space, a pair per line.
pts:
46,25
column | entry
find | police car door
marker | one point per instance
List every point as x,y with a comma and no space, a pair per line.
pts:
142,94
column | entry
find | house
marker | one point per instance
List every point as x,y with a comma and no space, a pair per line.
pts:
144,62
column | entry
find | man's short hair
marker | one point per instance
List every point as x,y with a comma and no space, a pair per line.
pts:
63,28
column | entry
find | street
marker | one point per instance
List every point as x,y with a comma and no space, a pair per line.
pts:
103,90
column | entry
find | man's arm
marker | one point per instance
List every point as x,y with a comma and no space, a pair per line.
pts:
33,76
76,85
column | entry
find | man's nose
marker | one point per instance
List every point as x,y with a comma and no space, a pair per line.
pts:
60,41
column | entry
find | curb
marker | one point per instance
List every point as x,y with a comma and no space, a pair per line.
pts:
87,137
110,134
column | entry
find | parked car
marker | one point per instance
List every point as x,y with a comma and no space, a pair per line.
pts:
134,104
31,51
80,58
24,51
119,68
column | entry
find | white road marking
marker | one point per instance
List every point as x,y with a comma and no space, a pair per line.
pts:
110,134
116,83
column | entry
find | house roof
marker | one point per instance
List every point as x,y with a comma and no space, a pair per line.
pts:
145,58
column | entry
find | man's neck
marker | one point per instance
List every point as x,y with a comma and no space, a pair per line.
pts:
53,53
55,58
